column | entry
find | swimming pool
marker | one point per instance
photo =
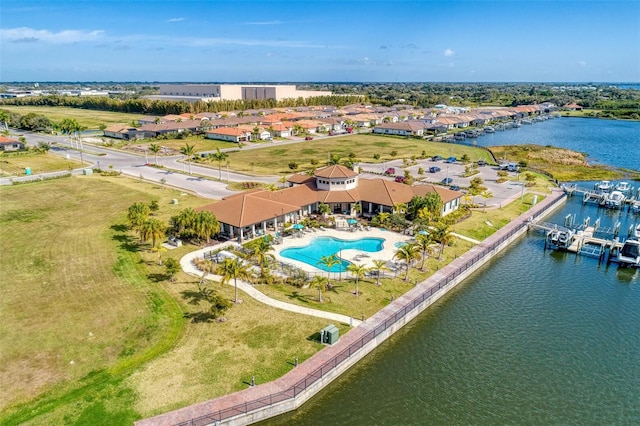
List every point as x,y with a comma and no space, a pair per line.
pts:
326,246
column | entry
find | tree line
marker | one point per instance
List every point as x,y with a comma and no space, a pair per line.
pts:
138,105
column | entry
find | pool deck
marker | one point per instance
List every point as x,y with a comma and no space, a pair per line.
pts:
354,256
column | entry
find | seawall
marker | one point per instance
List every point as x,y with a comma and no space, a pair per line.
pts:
303,382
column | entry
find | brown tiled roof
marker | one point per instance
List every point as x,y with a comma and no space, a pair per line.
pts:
255,206
6,139
386,192
446,194
299,178
335,171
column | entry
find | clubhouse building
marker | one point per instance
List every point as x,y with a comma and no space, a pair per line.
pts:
252,213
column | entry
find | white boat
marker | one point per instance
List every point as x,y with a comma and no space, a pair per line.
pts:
623,187
630,253
604,185
636,232
562,238
489,129
615,200
635,208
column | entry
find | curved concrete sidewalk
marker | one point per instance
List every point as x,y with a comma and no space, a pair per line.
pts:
186,262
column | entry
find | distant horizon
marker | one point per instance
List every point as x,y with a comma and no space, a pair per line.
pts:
392,41
598,83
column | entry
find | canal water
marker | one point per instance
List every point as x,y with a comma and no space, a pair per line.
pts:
534,337
612,142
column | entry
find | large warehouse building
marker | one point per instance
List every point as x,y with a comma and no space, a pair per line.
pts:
215,92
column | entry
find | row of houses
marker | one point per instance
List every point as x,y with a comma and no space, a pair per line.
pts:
283,123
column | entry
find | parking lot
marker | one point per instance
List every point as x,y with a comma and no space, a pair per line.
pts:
448,171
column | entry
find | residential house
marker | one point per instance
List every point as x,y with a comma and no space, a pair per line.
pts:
404,128
8,144
122,131
229,134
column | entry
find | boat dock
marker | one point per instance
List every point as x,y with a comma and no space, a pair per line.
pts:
603,198
582,239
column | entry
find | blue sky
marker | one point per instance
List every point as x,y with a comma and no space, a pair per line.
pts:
297,41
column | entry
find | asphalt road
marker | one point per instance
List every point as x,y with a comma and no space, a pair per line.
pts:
212,182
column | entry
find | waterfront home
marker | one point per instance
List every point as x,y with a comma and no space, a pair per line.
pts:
121,131
252,213
404,128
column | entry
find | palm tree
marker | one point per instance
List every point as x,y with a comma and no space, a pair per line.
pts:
4,118
407,254
358,272
283,180
324,209
442,234
261,253
152,229
383,218
155,149
486,194
320,283
137,214
206,225
423,243
234,268
219,157
188,151
271,187
379,265
329,262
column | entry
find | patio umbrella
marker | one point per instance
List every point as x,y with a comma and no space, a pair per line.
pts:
352,221
298,226
423,232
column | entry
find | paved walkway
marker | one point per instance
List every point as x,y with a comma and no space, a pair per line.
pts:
188,266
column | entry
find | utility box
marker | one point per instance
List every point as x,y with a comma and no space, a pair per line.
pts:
87,171
329,335
27,171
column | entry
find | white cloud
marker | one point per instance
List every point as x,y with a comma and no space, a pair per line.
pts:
23,34
175,20
449,52
582,63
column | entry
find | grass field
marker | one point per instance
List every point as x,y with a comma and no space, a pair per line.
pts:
91,119
14,165
276,159
199,142
94,334
563,164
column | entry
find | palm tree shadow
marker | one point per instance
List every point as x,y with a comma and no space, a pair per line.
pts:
126,243
297,296
200,317
193,297
156,278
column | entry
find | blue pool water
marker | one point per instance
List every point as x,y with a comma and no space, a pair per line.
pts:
326,246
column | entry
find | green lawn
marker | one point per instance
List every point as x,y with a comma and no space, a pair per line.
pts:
275,159
91,119
14,165
92,331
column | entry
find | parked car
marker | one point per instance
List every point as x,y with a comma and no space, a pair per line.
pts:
400,179
450,160
390,171
482,163
308,138
446,181
436,158
434,169
455,187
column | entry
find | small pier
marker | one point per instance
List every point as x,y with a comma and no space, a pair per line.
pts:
583,239
602,198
